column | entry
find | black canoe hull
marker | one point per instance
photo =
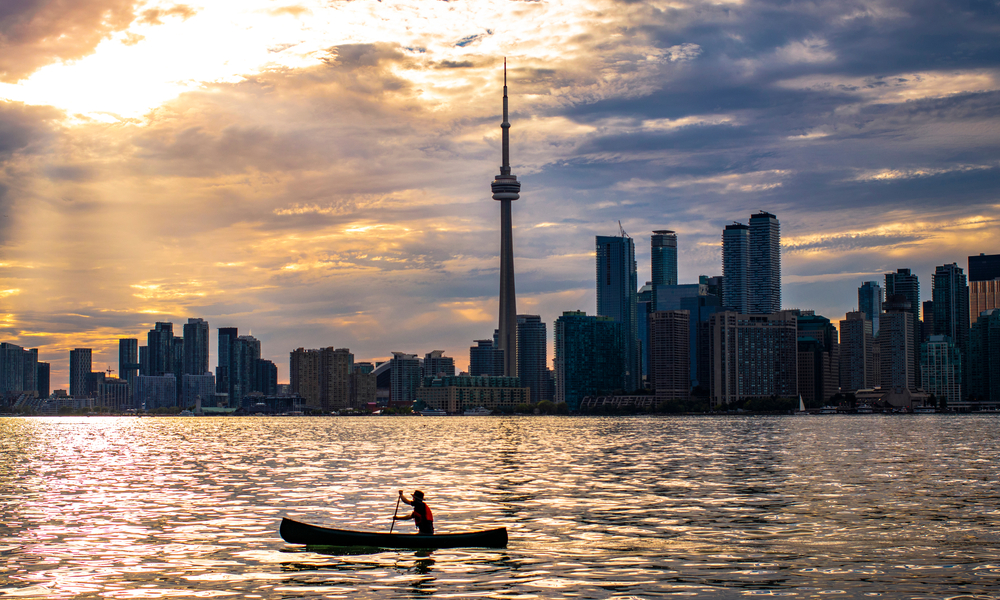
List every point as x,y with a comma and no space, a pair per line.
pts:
295,532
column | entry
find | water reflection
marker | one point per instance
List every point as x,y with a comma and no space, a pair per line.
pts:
595,507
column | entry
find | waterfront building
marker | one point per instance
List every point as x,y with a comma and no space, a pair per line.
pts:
753,356
128,360
764,275
160,344
951,307
194,387
663,257
897,344
644,307
506,188
818,357
870,302
94,381
456,394
735,268
43,379
588,360
984,284
700,304
436,364
79,371
485,359
304,374
617,287
404,378
227,341
857,354
984,359
363,384
18,369
941,370
245,354
155,391
905,283
670,357
322,377
265,377
195,354
532,356
113,393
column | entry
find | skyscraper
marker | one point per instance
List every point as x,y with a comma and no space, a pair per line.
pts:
160,341
43,379
984,284
818,356
764,274
11,368
906,284
79,370
941,369
227,339
617,288
870,302
951,309
753,356
588,360
735,254
532,356
897,345
196,347
669,355
663,257
857,358
128,360
405,377
485,359
506,188
436,364
984,358
245,354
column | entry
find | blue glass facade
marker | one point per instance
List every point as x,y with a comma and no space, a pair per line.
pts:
588,360
617,288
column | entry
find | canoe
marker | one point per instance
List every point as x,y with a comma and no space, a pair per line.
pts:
295,532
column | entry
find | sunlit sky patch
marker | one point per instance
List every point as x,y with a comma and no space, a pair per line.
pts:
318,172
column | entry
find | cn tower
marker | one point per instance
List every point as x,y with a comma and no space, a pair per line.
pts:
505,189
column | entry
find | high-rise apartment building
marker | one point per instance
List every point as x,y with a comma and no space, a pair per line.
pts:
304,375
79,371
870,302
663,257
669,354
941,369
405,377
984,284
43,379
818,357
588,360
196,347
735,268
984,359
753,356
764,275
904,283
245,354
160,342
227,341
363,384
617,288
155,391
857,357
927,324
951,307
18,369
897,345
196,388
532,356
128,360
436,364
485,359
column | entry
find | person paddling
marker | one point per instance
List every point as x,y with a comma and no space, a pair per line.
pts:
421,514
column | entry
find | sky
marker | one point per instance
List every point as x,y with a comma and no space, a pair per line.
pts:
317,173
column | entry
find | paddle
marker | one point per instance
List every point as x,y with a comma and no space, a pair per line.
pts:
394,514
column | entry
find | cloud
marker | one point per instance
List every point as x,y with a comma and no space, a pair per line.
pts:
34,33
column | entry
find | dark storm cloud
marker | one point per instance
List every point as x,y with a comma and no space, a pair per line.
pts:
34,33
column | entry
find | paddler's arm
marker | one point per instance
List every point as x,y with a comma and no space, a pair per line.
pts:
403,498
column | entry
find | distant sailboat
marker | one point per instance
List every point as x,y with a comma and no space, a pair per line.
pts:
802,407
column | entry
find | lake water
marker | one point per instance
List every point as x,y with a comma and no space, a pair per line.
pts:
619,507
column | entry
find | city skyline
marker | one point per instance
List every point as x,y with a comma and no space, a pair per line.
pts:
319,184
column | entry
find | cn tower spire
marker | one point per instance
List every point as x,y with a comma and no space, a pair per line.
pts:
506,188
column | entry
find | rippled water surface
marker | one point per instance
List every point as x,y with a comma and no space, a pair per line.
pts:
714,507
